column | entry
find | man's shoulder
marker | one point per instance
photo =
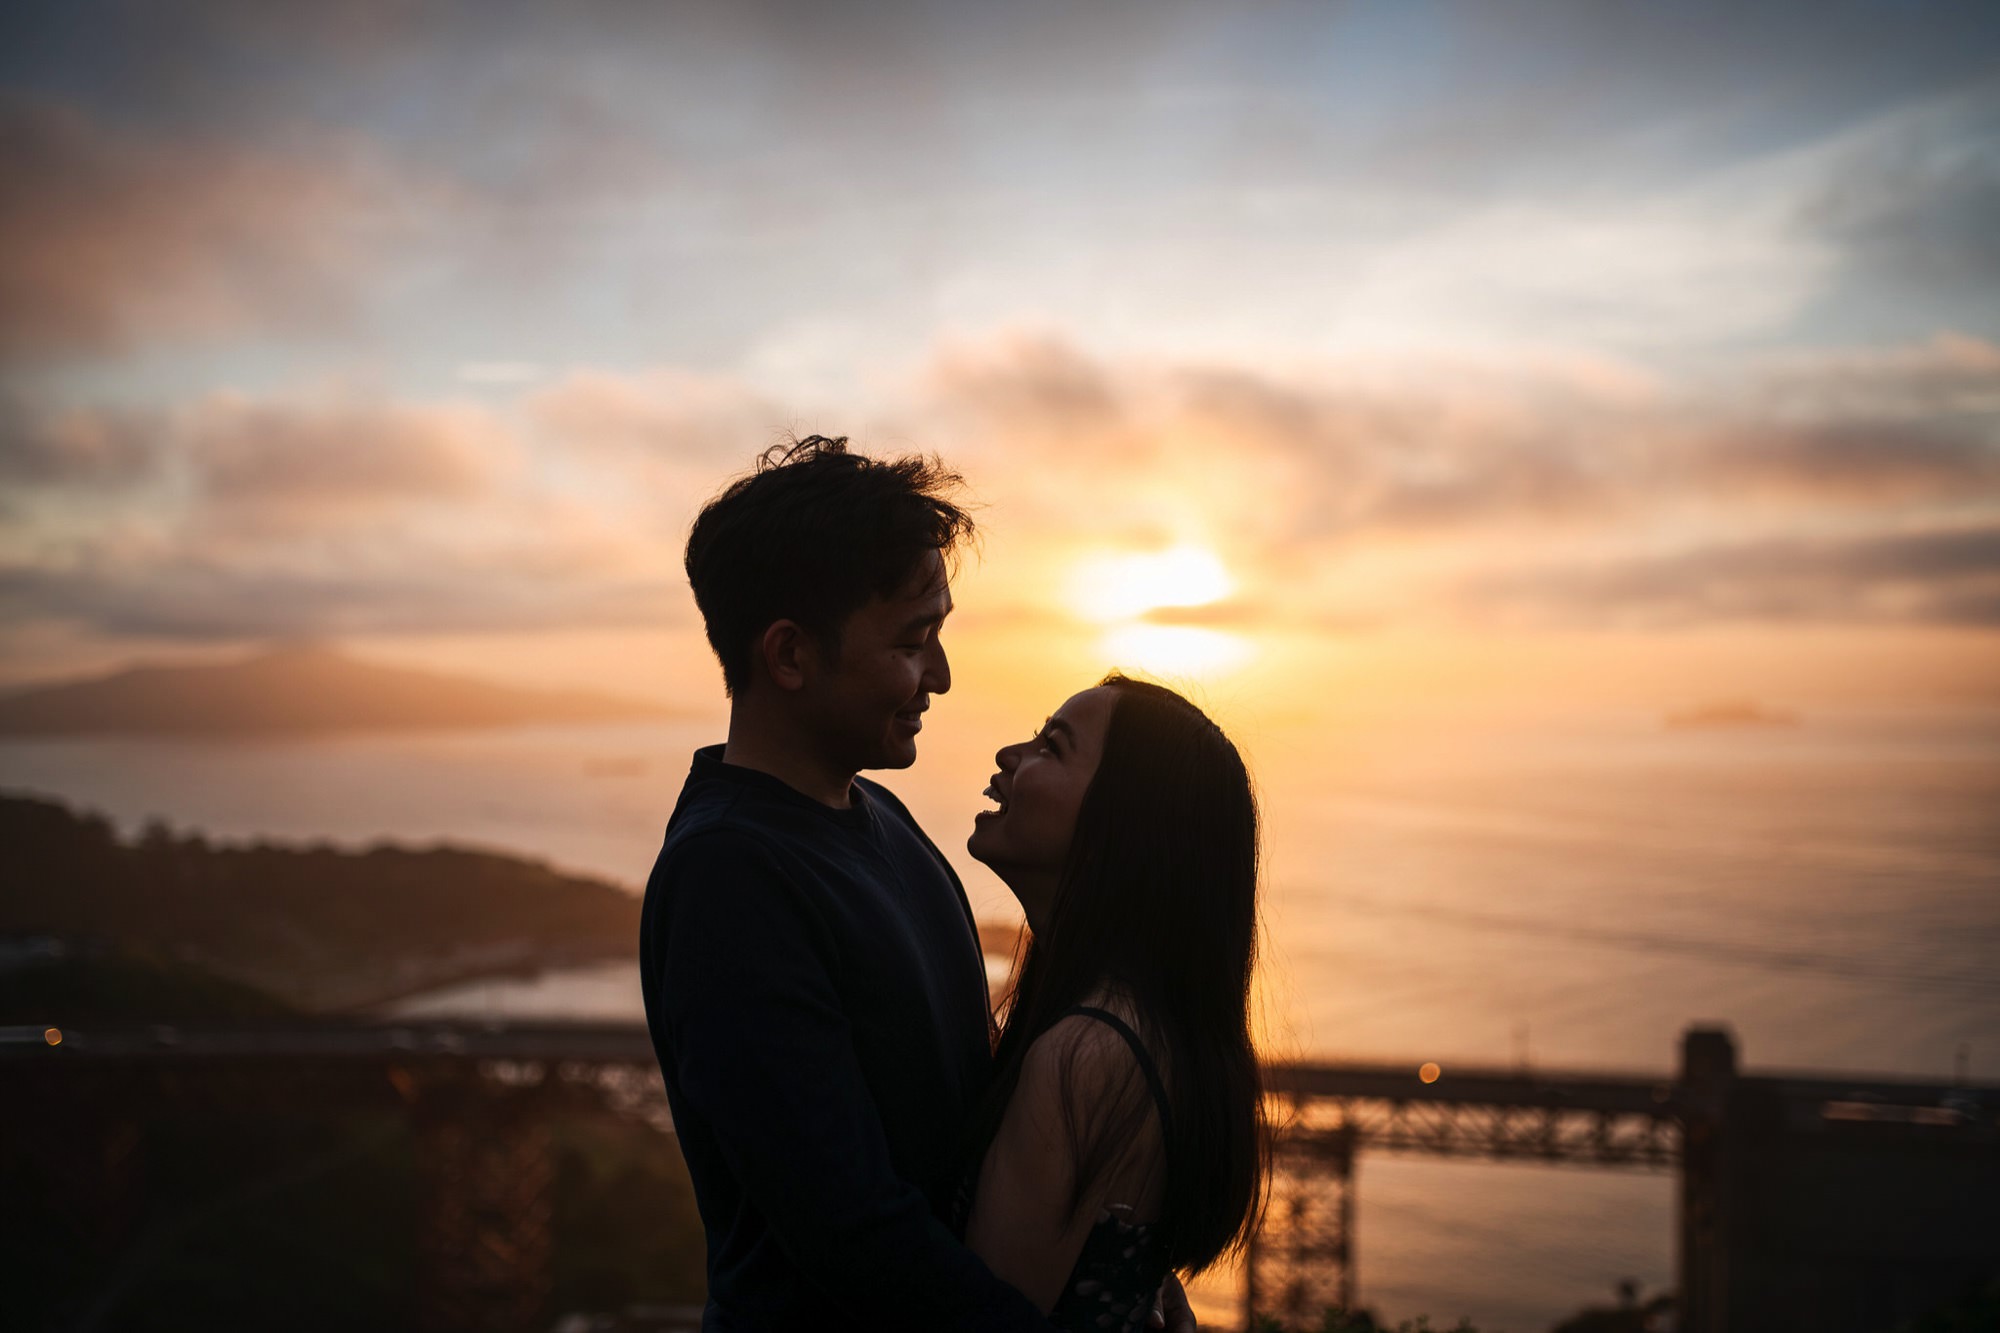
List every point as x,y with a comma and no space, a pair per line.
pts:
886,801
723,821
894,815
712,864
712,822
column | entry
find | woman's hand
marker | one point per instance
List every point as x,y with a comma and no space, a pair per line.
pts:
1171,1310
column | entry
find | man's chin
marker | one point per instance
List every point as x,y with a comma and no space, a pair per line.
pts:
894,756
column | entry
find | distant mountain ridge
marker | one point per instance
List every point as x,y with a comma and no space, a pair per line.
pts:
293,690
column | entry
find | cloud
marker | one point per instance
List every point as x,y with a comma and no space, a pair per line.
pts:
699,179
188,597
1947,576
1915,194
85,448
500,372
111,238
1458,491
1866,462
668,433
1858,485
338,514
282,465
1865,427
1948,375
1446,450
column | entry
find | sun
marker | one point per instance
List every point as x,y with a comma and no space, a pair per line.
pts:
1115,587
1122,591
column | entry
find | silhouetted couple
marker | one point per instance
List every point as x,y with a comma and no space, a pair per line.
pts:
863,1153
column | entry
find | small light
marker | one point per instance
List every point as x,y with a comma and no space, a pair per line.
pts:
1429,1073
53,1036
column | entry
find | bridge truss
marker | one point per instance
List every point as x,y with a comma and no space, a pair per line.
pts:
1302,1259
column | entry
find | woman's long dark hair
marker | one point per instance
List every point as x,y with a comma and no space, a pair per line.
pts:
1158,901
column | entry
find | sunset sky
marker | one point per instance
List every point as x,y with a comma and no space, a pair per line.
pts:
1418,348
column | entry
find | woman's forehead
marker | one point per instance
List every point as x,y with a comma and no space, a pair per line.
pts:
1089,711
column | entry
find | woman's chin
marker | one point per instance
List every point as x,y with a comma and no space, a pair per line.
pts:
980,841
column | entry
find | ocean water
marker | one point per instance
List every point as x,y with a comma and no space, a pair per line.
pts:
1571,894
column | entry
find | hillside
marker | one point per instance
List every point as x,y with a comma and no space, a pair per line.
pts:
316,926
292,690
67,985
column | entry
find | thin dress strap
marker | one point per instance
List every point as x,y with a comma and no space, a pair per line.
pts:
1146,1065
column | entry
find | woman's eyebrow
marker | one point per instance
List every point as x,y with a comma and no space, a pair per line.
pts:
1056,724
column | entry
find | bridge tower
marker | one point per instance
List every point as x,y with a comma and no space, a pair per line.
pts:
1300,1260
484,1235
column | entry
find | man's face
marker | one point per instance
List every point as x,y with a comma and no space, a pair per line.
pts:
868,700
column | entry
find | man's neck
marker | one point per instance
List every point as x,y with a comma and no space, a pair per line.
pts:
755,742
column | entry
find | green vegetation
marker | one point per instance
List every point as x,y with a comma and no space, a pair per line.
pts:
317,927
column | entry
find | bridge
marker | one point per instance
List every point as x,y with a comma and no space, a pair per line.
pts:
1303,1259
1768,1165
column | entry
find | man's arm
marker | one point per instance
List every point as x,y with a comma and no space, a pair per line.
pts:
762,1051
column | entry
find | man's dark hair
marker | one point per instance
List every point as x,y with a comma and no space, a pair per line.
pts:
811,535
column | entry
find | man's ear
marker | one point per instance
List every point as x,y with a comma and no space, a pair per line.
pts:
788,652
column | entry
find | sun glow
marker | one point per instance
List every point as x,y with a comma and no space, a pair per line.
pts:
1110,588
1123,591
1173,650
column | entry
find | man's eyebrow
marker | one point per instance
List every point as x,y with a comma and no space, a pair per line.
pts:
931,615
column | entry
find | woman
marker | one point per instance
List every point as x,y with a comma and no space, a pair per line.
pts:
1122,1139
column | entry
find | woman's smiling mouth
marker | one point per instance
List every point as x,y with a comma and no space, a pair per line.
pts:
995,795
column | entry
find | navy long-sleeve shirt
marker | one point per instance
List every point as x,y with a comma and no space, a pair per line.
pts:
815,993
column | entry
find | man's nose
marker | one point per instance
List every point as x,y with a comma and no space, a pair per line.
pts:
1007,756
937,670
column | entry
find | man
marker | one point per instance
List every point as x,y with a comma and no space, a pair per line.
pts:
813,982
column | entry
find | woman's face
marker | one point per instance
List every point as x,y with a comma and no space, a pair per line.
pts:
1038,791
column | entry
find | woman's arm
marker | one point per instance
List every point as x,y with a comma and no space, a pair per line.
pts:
1021,1223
